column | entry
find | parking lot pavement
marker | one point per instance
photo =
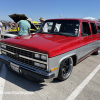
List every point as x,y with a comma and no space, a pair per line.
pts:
19,88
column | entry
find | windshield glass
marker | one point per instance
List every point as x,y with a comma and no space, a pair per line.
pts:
60,27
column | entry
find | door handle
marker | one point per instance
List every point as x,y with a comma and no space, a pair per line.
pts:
97,35
91,37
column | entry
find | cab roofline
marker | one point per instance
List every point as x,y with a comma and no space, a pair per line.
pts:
79,19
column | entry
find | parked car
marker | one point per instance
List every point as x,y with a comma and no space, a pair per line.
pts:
13,31
53,50
38,26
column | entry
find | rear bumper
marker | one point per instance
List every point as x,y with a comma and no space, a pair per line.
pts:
27,70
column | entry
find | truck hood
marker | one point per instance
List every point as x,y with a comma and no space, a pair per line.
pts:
18,17
45,43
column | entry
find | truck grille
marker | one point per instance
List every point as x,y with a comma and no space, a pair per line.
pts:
20,59
24,56
20,51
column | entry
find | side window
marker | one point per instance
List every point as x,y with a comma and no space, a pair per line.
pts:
85,31
98,25
49,26
93,26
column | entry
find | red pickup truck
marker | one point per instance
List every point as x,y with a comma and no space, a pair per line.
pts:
53,50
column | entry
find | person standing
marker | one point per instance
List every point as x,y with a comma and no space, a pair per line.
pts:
1,28
42,20
45,28
9,25
24,26
5,25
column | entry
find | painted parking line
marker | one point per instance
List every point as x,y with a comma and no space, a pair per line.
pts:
2,84
77,91
2,80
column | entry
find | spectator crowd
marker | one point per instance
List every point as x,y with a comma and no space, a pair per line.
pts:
8,25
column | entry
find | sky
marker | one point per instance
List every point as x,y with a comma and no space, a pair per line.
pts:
50,9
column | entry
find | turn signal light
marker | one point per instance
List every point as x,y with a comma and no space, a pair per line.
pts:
53,69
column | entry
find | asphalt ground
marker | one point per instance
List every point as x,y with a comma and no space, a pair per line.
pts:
83,84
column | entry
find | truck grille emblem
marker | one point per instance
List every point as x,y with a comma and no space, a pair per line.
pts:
16,55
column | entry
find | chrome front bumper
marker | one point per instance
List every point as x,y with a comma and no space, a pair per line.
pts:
27,70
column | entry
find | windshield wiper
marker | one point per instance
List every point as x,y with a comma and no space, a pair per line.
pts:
44,32
59,33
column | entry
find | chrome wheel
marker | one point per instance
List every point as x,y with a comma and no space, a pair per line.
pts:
65,68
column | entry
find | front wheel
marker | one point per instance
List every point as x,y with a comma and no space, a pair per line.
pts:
65,70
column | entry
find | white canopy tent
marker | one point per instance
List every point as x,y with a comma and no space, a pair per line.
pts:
91,18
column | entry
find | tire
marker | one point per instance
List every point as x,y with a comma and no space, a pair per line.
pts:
97,52
65,70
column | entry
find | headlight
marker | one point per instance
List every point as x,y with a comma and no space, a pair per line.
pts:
3,52
37,56
42,65
3,46
39,65
43,57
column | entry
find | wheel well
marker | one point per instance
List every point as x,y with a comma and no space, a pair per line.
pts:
74,57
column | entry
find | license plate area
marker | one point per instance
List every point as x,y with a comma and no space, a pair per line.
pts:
14,67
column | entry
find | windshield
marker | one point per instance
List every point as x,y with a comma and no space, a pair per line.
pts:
60,27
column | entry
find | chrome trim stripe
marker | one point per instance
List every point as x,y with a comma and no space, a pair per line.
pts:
7,51
86,56
33,59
